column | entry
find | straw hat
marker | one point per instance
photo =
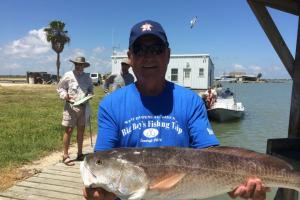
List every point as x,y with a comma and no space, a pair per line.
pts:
80,60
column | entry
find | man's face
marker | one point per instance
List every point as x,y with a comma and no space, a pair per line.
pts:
79,67
149,59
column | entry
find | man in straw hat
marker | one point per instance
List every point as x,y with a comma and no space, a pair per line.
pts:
73,86
115,81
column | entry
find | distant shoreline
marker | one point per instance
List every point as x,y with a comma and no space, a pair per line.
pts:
279,80
24,76
12,76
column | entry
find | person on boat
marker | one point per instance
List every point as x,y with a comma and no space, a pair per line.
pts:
210,97
228,92
177,113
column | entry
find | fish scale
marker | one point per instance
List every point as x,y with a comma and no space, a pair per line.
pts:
185,173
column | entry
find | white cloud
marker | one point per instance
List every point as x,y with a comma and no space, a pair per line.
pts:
271,71
13,66
274,68
96,57
51,58
255,68
98,50
239,67
100,65
77,52
33,53
34,43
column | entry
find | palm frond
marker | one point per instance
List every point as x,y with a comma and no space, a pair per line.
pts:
58,37
56,33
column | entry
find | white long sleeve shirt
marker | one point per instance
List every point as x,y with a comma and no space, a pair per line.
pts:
75,85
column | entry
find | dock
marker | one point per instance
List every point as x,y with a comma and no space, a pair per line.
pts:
55,182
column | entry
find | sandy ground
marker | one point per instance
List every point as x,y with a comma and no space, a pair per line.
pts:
10,178
13,84
54,158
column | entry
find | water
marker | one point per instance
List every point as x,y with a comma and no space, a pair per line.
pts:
267,108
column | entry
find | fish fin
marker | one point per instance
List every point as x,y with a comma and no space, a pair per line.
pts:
167,183
138,195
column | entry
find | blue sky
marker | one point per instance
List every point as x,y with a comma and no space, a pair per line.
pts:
227,30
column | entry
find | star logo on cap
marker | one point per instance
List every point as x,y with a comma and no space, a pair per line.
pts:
146,27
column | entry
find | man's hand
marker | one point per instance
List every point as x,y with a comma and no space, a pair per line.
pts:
253,189
98,194
67,97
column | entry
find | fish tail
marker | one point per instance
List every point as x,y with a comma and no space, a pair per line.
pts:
292,181
296,185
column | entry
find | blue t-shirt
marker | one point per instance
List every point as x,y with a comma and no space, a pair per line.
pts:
176,117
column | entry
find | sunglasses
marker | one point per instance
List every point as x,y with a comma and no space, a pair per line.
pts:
154,49
79,65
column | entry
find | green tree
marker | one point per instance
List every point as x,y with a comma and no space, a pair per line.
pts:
58,37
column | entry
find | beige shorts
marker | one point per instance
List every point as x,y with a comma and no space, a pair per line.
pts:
73,116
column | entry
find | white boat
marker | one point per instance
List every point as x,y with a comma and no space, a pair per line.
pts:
226,108
224,79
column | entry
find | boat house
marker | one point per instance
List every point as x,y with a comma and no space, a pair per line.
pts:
194,71
239,77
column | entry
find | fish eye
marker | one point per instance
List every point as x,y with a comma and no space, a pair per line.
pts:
99,162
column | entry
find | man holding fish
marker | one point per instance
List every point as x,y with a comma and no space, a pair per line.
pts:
154,112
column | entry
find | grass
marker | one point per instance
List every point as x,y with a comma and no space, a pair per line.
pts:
30,123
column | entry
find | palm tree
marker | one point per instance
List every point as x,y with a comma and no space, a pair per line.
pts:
58,37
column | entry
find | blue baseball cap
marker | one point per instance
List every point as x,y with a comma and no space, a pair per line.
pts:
147,27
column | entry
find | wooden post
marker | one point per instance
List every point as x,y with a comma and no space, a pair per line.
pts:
288,6
292,65
287,149
269,27
294,122
27,77
294,125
